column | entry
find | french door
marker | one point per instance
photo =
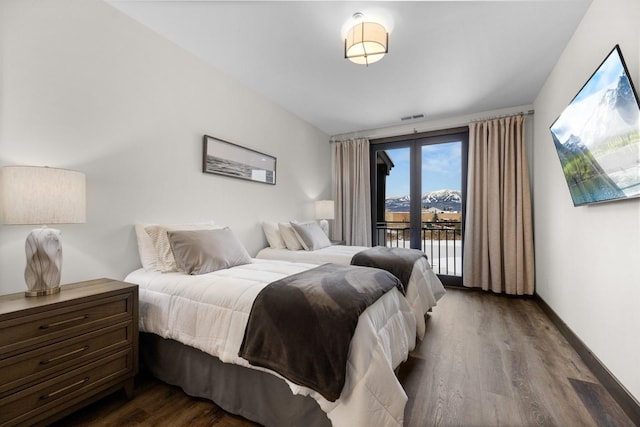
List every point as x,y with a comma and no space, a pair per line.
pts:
418,186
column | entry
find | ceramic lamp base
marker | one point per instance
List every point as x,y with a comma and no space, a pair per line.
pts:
49,291
324,225
44,261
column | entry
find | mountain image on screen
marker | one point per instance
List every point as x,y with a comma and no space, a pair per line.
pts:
597,137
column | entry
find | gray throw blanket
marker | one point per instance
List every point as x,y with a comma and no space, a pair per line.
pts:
301,326
397,261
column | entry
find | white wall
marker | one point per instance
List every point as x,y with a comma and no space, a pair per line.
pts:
588,258
85,87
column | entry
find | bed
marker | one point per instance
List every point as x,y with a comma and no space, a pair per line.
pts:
423,290
192,329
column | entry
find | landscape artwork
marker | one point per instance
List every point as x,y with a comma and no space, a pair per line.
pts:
597,136
225,158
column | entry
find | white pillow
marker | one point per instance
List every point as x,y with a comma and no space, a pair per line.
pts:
310,235
145,249
289,236
272,233
147,245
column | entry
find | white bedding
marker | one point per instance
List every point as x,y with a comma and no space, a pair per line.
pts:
210,312
423,292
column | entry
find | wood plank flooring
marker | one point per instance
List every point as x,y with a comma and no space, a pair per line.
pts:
486,360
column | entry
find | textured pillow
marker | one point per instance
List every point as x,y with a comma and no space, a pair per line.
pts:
164,257
311,235
153,244
289,236
272,233
204,251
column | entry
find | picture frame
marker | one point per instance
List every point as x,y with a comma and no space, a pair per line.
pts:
221,157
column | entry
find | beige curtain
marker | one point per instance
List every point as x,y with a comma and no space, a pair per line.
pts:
352,192
498,246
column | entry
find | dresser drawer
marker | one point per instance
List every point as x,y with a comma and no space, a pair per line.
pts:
23,369
40,328
65,390
60,352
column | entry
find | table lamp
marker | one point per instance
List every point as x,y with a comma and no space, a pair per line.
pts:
42,195
325,210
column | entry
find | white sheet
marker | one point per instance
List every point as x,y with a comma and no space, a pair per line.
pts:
423,292
339,254
210,312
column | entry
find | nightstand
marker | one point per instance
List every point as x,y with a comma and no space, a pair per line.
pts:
338,242
61,352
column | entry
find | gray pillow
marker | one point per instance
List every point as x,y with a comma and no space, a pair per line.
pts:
311,235
204,251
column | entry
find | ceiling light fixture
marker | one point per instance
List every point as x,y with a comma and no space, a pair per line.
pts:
366,42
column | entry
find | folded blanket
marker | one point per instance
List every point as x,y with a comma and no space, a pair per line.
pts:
301,326
397,261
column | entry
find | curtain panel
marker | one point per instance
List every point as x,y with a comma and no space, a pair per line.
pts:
498,245
352,191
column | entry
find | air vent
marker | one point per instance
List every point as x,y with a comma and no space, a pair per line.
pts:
415,116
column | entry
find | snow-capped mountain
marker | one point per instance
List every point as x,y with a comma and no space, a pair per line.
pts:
445,200
615,115
397,203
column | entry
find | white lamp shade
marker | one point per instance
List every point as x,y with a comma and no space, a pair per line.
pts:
325,209
42,195
366,43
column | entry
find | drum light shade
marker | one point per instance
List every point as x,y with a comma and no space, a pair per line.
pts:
325,209
366,43
41,195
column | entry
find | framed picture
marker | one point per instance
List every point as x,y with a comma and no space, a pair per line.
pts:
225,158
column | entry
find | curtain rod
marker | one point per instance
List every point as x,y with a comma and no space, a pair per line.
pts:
334,139
521,113
454,124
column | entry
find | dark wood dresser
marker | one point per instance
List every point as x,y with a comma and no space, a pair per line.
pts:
63,351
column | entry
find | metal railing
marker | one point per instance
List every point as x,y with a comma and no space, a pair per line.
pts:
441,241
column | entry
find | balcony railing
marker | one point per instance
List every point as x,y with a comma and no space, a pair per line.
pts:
441,241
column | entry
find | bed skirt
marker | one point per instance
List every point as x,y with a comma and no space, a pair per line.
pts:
255,395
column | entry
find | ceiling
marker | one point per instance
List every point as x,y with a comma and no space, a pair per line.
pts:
446,58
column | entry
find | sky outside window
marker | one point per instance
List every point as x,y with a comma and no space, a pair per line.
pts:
441,169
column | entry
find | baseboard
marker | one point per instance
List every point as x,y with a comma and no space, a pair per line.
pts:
620,394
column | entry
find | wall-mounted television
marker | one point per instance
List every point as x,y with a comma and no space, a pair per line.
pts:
597,136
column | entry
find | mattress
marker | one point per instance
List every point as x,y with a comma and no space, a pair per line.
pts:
209,312
423,292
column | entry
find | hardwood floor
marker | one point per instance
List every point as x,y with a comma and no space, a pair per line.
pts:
490,360
486,360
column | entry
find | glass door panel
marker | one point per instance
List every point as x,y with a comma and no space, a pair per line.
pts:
393,207
418,191
441,206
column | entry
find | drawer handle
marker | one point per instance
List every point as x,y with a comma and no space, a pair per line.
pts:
62,322
62,356
63,389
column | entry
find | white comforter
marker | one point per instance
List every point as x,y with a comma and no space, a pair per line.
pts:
423,292
210,312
